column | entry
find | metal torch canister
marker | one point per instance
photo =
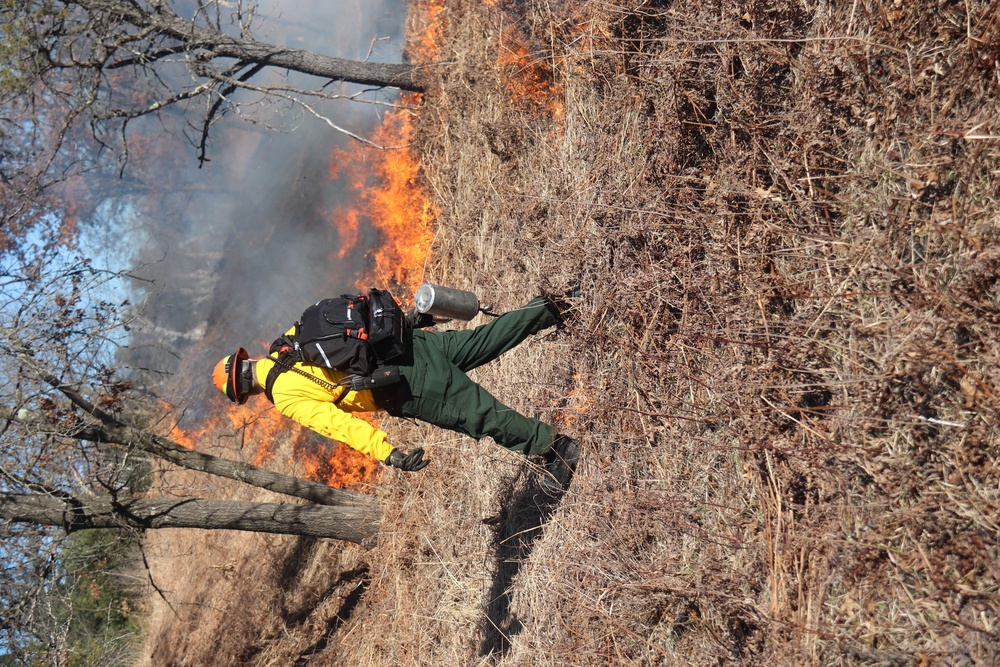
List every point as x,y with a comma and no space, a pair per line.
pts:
446,302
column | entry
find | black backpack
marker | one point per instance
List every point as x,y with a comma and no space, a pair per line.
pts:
356,334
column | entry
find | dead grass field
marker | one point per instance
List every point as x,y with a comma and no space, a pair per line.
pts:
783,368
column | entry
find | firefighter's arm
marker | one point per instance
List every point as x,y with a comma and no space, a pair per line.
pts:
328,420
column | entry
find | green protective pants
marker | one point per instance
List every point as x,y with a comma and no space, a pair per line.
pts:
435,388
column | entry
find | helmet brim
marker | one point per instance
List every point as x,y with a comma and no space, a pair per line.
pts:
232,383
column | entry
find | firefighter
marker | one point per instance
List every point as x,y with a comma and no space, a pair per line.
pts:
433,388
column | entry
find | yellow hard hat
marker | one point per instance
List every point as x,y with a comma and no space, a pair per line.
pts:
226,376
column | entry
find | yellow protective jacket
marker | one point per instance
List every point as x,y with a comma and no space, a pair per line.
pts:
311,405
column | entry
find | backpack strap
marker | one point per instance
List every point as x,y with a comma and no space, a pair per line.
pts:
283,343
285,361
281,364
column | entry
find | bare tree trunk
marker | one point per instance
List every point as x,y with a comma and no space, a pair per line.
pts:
381,75
162,19
249,474
351,524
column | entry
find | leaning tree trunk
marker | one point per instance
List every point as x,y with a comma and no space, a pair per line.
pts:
210,43
382,75
116,433
244,472
351,524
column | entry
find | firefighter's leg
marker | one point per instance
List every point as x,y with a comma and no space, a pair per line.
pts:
467,408
443,395
474,347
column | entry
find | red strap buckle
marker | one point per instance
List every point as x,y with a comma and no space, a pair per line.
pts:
360,334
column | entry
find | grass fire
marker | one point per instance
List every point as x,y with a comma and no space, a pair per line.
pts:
389,198
782,368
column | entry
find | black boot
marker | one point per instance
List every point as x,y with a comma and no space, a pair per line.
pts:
560,464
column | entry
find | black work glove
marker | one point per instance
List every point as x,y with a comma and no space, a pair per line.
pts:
414,319
410,462
382,377
356,382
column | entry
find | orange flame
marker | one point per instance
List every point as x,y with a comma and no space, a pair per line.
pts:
430,20
531,80
313,458
260,428
579,401
387,193
183,438
385,182
331,462
349,230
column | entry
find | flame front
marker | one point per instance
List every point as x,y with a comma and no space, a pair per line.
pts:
385,183
383,179
386,195
311,456
331,462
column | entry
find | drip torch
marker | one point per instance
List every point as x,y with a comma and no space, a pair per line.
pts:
448,302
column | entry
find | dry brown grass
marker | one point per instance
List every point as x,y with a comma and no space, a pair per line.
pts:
783,371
